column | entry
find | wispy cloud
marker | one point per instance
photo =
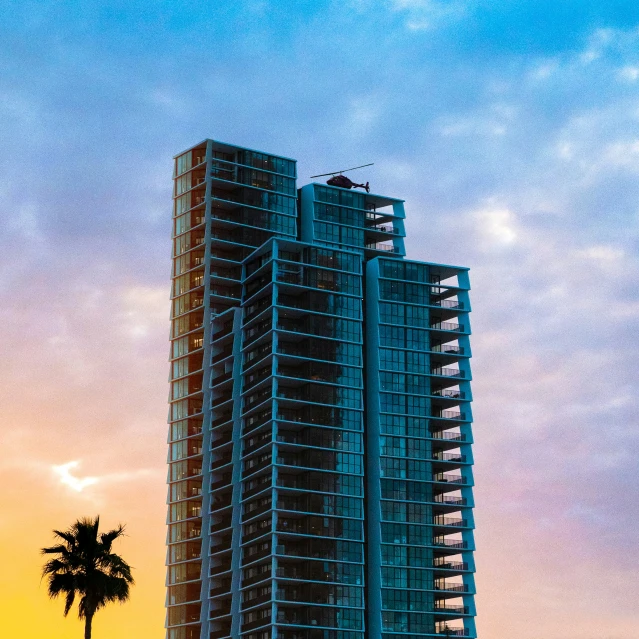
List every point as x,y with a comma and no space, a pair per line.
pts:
66,477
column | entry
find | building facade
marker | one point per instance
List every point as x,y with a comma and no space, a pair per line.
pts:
320,462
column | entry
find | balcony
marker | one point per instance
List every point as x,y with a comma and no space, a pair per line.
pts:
221,378
324,440
255,464
453,304
252,357
220,545
391,230
443,564
255,399
447,326
450,501
257,507
256,420
223,587
451,587
218,460
255,378
218,357
255,443
448,393
225,291
260,532
226,329
449,414
258,330
447,436
447,349
313,571
447,372
218,481
386,248
226,273
449,478
255,575
257,285
449,457
456,522
220,439
254,310
451,608
453,632
443,542
227,416
219,502
289,277
258,623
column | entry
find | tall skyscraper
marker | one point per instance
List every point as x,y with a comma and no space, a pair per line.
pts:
320,464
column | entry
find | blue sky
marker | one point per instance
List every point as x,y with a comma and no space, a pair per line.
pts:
512,131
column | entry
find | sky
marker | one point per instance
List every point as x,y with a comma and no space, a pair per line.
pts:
511,129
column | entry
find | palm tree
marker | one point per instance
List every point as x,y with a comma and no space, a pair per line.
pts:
86,567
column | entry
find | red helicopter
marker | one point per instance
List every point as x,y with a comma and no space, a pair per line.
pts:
338,179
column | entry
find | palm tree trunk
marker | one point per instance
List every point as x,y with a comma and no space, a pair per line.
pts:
87,626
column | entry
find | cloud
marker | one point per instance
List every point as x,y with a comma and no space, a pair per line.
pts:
423,15
66,477
498,225
629,73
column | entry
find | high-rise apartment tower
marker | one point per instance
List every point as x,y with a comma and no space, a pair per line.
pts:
320,464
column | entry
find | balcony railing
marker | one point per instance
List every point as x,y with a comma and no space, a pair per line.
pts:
226,417
448,394
221,378
383,229
449,565
382,247
447,326
227,352
441,607
447,303
450,457
447,372
445,435
449,521
450,479
450,501
450,414
225,292
451,587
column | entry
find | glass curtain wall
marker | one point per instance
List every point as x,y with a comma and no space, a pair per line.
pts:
420,519
227,202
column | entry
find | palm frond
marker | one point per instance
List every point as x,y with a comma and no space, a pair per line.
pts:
52,550
55,566
67,535
69,602
115,566
108,538
62,584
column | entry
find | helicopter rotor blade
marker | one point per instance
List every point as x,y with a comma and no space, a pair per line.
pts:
342,171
